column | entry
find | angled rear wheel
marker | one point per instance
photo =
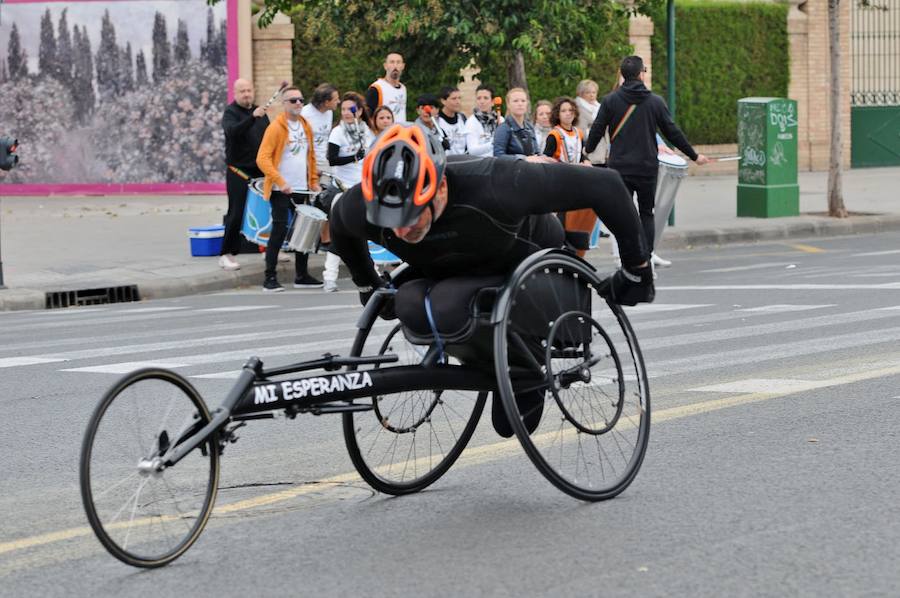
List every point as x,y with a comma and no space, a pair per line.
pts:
565,355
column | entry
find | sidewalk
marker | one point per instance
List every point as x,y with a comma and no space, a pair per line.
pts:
73,243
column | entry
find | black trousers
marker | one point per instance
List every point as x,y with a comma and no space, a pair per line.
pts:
236,187
645,188
282,205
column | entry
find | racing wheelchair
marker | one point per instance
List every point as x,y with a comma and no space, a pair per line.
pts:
410,396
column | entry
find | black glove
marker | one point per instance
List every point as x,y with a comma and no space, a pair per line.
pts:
387,311
632,286
361,153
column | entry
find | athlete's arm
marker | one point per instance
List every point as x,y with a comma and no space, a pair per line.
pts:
349,240
524,189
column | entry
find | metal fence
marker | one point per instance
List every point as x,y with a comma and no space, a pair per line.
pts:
875,49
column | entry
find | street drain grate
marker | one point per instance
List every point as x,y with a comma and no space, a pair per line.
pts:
57,299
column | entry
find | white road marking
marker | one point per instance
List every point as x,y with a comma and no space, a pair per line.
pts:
646,308
784,307
766,385
744,268
232,374
875,253
235,308
11,362
125,367
148,310
890,286
117,350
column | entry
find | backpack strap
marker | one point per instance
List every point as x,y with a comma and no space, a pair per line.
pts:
622,122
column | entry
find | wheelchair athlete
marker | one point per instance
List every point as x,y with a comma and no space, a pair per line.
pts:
464,223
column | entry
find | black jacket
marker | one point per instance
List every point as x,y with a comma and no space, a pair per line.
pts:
634,149
243,134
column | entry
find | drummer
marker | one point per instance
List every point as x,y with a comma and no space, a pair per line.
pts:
244,124
633,114
288,160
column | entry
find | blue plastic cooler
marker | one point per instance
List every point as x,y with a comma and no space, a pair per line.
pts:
206,240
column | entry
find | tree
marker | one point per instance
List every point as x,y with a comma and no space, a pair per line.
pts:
208,45
64,51
109,84
182,47
835,185
126,76
16,56
47,47
500,36
4,73
222,45
140,76
162,53
83,76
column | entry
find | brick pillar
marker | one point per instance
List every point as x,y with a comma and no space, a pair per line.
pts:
798,87
640,30
814,108
272,58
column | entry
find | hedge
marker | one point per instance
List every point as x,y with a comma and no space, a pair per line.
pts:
724,51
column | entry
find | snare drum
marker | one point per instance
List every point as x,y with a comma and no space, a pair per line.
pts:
672,169
308,222
257,225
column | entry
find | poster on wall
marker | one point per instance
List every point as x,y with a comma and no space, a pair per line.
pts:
116,97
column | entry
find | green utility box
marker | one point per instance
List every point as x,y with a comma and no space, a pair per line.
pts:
767,143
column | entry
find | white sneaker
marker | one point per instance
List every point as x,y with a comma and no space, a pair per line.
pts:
330,286
227,262
659,262
283,256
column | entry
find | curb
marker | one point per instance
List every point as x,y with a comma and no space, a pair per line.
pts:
812,227
251,275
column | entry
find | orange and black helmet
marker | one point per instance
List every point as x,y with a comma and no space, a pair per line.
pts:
401,175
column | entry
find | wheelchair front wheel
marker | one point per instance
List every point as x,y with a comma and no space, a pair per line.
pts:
409,439
568,365
144,515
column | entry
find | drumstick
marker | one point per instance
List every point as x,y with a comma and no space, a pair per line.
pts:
275,95
727,159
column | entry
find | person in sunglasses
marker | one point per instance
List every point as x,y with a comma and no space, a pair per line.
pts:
287,158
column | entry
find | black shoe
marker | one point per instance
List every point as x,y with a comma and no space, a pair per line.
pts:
270,285
531,407
307,282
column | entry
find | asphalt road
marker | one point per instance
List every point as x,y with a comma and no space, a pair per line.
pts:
772,469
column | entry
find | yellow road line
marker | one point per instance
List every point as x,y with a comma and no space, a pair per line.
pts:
475,455
807,248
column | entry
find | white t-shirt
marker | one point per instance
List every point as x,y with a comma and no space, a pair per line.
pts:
350,140
293,166
478,141
394,98
455,132
320,123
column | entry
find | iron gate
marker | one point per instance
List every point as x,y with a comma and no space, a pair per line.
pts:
875,83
